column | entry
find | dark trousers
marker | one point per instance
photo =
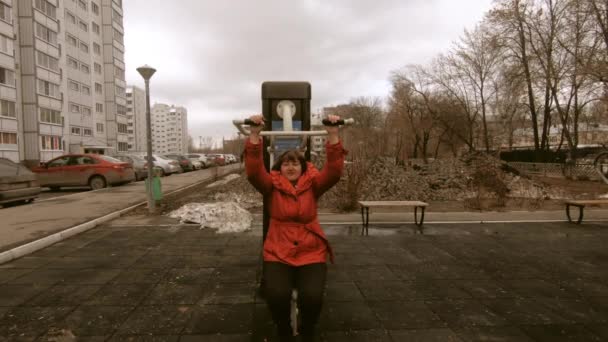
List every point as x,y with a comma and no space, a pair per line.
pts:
280,279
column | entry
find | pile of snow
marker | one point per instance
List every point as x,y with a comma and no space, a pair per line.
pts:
226,217
224,181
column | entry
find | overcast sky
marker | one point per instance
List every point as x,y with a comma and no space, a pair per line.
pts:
212,56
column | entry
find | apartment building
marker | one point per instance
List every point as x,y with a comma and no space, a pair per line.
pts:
63,63
169,129
136,119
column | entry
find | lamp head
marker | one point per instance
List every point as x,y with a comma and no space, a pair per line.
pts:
146,71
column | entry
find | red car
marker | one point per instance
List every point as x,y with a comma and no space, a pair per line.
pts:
94,170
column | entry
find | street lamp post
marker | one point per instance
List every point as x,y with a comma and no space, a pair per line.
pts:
146,72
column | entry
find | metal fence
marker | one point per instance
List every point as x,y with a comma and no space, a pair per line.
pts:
582,171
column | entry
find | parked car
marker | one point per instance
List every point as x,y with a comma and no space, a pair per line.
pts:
17,183
140,165
218,159
167,166
96,171
196,163
230,158
199,157
184,162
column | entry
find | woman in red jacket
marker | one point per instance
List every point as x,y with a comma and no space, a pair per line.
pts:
295,249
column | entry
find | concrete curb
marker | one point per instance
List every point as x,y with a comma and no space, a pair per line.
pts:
46,241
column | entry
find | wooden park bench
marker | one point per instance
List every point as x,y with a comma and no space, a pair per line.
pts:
365,205
581,205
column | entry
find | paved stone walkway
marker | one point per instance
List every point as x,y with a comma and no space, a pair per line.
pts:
491,282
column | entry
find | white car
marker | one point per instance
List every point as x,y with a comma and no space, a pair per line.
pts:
166,165
198,157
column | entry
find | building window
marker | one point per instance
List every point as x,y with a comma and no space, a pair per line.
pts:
123,146
49,89
86,90
6,45
71,40
74,108
74,86
97,68
47,8
75,130
7,108
7,77
98,88
121,110
47,61
73,63
116,17
96,49
122,128
99,128
94,8
87,132
99,108
50,116
119,73
5,13
84,47
85,68
86,110
7,138
95,28
50,143
120,91
119,37
83,26
46,34
70,17
82,4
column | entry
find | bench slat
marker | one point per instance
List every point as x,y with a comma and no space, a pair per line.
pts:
393,204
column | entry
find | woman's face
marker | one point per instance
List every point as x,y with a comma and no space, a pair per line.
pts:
292,170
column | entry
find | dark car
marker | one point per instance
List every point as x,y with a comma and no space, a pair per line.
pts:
17,183
140,165
94,170
185,163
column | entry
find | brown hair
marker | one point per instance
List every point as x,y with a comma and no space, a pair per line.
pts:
291,155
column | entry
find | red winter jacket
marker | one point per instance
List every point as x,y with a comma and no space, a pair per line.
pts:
295,236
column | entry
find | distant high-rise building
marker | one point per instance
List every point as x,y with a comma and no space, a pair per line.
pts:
169,129
62,79
136,119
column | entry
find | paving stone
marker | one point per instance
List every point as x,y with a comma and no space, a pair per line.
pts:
237,274
64,295
13,295
342,292
225,319
216,338
159,262
374,273
599,329
492,334
458,313
140,276
189,275
229,293
156,320
201,261
120,295
27,262
80,262
338,273
558,333
485,289
356,336
42,276
438,289
575,310
345,316
386,290
90,276
30,322
8,274
534,288
425,335
356,259
95,320
144,338
586,287
524,311
395,315
173,294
